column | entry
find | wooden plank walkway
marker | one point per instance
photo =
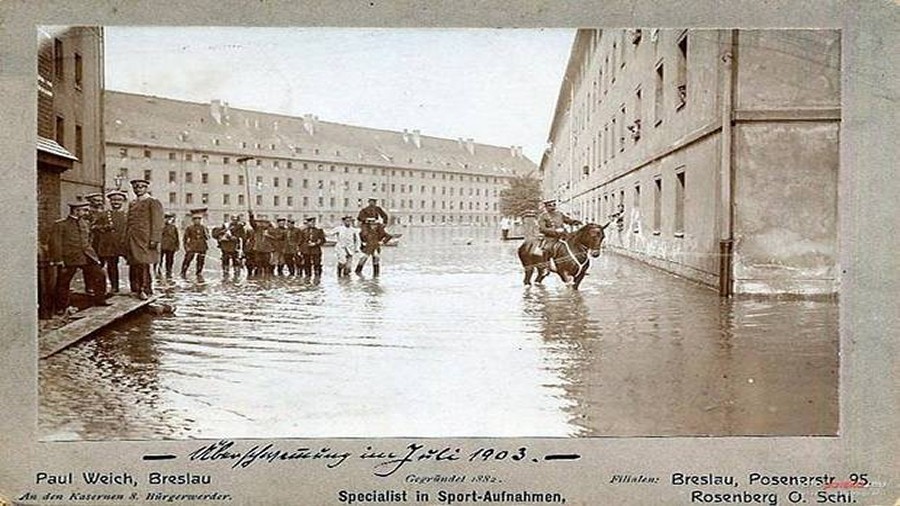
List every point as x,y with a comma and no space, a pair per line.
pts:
90,320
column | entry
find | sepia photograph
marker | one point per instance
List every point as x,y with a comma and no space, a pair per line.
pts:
437,232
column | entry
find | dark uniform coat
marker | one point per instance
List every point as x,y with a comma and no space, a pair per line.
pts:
170,240
372,211
279,237
196,238
314,239
70,243
373,235
108,232
143,226
228,242
292,240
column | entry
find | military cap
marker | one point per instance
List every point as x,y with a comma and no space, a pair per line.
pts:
347,217
310,219
113,193
291,221
280,219
78,203
371,219
529,214
198,212
169,214
373,199
93,195
140,181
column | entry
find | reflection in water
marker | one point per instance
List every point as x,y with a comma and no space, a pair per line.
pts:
448,343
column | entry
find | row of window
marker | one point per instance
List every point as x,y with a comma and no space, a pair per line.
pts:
276,200
610,203
320,184
61,136
59,65
259,162
622,130
409,219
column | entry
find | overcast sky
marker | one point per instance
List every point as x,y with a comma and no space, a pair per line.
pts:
496,86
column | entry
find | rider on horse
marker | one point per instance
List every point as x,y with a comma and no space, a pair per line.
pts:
551,225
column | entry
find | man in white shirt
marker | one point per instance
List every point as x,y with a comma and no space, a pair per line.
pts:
346,245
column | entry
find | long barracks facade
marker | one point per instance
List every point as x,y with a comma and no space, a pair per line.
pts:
722,146
211,155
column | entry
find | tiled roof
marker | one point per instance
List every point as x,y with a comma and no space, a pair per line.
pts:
50,146
163,122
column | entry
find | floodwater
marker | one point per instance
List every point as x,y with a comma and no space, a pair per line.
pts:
448,342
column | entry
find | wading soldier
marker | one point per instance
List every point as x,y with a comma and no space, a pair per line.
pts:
373,236
196,242
262,246
143,231
551,225
169,245
229,245
108,231
279,237
71,250
239,232
315,238
346,245
292,247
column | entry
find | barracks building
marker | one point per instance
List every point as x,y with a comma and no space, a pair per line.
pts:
212,156
720,146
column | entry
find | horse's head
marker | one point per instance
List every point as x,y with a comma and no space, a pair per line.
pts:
591,237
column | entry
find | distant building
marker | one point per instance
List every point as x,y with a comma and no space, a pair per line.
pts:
721,145
69,145
300,166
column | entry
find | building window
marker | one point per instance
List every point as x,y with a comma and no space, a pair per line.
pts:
188,157
58,60
204,178
204,198
259,181
622,127
305,201
171,156
658,103
240,179
226,179
290,201
259,200
321,201
147,174
679,203
635,127
188,177
657,205
79,142
188,198
147,153
275,164
240,199
172,176
215,142
173,198
226,160
276,200
681,74
290,182
79,71
306,183
359,186
226,199
60,131
258,162
320,184
331,202
275,182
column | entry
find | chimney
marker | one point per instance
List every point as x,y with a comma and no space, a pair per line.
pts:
460,142
309,124
215,110
470,146
405,136
226,113
512,151
417,138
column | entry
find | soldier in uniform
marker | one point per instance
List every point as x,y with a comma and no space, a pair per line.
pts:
262,245
239,232
279,237
71,250
292,247
314,239
551,225
143,231
169,245
373,236
97,206
196,242
108,235
372,210
229,246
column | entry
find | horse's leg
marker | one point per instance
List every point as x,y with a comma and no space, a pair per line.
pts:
529,270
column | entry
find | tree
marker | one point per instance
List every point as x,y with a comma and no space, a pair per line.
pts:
522,194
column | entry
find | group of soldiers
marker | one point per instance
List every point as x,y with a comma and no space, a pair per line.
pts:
265,249
94,236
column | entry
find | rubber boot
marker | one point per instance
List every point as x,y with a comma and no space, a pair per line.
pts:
359,269
376,270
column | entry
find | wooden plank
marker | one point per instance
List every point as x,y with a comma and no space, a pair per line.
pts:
90,320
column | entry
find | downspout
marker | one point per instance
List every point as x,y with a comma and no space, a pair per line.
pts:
101,152
726,165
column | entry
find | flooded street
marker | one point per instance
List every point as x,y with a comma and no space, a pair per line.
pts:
449,343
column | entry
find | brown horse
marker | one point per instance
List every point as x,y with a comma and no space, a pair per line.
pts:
570,254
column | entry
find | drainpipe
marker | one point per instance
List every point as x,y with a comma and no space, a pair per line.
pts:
726,166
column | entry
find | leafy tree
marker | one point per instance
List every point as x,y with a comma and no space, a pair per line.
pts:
522,194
